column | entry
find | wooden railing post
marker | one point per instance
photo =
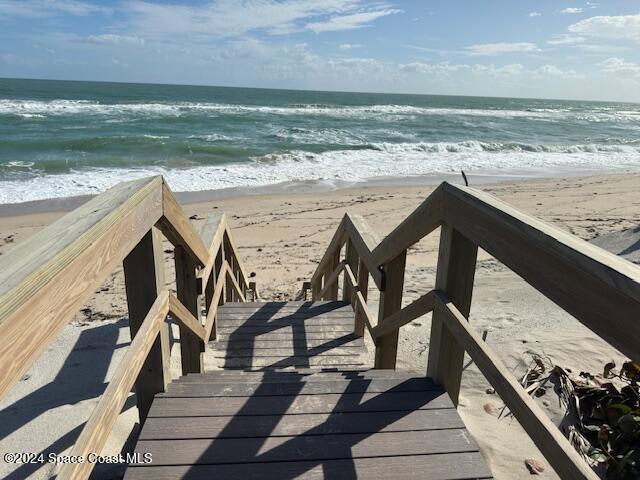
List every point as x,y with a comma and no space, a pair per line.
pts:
228,256
316,288
390,302
332,293
363,285
144,280
191,347
456,269
351,259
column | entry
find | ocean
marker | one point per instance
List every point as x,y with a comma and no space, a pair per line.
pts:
63,138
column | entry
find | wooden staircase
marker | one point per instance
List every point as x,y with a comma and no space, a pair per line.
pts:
281,389
286,401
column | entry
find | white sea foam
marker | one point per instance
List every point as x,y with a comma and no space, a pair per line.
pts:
26,108
381,160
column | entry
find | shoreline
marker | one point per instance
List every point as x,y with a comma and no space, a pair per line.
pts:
486,177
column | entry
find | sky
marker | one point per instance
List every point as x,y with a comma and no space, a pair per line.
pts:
544,48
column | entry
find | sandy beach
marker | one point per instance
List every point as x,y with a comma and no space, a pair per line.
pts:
281,238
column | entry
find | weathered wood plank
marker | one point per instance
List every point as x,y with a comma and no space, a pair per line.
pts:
286,352
342,328
315,447
301,374
318,424
347,402
314,387
96,431
564,459
449,466
294,361
258,344
73,255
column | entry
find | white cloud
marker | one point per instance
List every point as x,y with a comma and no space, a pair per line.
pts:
229,18
44,8
114,39
617,27
349,22
349,46
571,10
565,39
535,14
621,67
490,49
553,71
589,48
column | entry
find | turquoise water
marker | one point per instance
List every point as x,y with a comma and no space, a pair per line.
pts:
60,138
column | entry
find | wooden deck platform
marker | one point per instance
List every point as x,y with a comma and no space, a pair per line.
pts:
292,400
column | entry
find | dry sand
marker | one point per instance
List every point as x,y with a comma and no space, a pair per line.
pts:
281,238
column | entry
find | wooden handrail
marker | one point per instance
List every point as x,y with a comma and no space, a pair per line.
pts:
234,282
362,311
96,431
564,459
600,289
331,279
74,255
215,301
416,309
48,277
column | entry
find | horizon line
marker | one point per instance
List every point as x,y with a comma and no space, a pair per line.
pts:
200,85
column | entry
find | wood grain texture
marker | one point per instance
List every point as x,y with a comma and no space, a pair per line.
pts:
319,423
454,276
312,447
144,281
422,221
47,278
175,225
449,466
564,459
600,289
96,431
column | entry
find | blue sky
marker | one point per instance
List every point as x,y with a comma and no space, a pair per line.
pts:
551,49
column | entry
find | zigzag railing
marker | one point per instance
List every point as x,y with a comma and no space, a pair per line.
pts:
598,288
46,279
